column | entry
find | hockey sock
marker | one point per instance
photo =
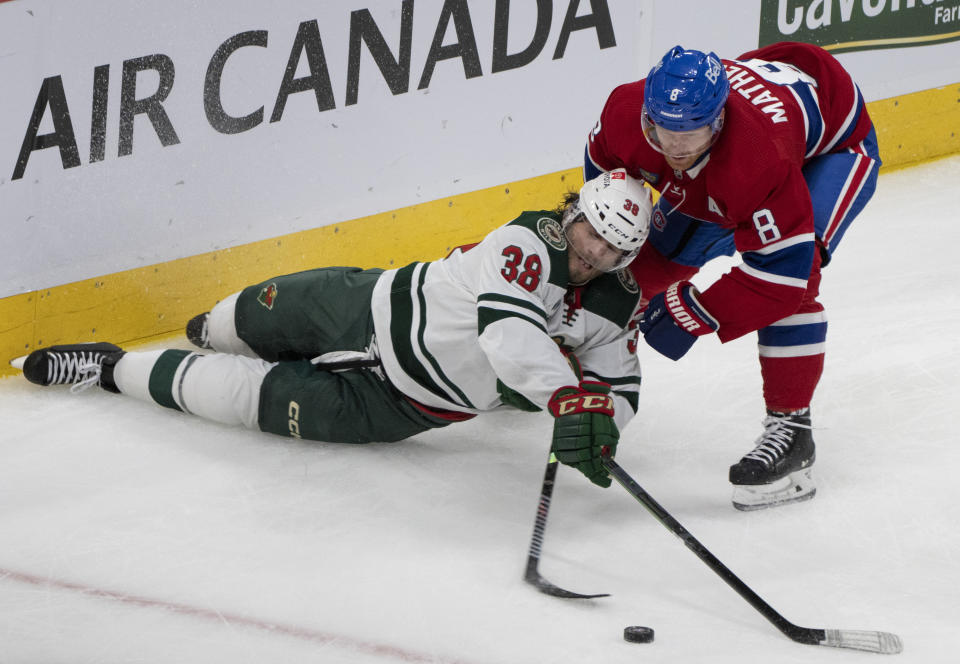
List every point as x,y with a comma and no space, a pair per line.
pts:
219,387
223,330
791,356
789,382
132,373
150,376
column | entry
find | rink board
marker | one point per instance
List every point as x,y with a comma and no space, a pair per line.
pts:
143,304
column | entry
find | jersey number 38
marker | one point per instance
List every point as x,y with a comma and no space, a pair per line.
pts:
523,270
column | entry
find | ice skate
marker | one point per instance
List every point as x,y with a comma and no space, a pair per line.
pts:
778,470
78,365
198,331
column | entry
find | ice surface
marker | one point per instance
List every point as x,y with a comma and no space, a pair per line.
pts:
129,533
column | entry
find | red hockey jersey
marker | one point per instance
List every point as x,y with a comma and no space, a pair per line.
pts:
788,103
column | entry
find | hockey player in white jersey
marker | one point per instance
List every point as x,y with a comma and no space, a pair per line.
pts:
539,315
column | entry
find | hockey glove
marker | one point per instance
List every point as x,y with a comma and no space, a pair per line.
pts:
584,428
675,319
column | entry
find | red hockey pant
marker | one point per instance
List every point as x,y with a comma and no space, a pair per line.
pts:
791,350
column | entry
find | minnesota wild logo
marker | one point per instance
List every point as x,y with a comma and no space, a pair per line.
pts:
550,231
627,281
267,296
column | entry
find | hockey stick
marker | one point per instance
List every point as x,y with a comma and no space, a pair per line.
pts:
532,576
879,642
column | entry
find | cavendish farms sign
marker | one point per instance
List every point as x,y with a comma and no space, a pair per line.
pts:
859,25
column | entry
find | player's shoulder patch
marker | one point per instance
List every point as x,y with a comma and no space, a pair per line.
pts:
549,229
628,282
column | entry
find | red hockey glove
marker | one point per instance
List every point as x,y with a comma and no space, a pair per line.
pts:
675,319
584,428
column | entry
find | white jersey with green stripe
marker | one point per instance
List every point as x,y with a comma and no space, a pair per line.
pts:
453,332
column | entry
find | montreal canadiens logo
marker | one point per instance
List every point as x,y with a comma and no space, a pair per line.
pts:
659,220
551,232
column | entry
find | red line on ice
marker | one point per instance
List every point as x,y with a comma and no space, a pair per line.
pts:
367,647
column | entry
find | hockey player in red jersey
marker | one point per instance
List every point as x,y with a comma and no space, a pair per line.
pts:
771,155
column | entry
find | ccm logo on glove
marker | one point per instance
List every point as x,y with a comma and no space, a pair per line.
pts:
587,397
583,403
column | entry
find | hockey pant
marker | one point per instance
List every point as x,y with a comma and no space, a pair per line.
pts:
791,350
273,341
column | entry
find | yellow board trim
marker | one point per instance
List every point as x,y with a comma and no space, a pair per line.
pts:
142,304
148,303
917,127
894,41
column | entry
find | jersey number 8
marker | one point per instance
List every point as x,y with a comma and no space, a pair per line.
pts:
766,226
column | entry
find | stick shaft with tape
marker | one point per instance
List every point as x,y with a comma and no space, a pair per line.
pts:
870,641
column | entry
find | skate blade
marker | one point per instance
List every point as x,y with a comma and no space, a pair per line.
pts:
17,362
794,488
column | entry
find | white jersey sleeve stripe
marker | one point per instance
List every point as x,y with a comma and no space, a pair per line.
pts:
783,244
851,117
772,278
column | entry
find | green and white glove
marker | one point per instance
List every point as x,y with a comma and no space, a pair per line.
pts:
584,428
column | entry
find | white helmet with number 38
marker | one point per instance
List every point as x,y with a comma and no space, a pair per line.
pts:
619,208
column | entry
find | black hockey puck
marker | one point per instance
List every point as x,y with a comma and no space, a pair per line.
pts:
638,634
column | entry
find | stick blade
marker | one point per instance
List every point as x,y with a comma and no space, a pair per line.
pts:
548,588
885,643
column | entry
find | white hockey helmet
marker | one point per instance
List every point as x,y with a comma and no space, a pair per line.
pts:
619,208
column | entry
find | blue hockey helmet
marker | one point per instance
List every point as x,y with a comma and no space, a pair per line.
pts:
686,90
